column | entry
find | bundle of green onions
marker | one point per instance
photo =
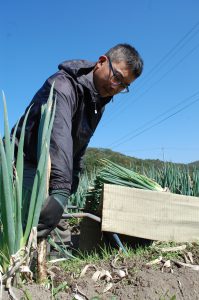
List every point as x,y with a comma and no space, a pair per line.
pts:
13,236
113,173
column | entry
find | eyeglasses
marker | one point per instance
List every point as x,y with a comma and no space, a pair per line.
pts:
117,79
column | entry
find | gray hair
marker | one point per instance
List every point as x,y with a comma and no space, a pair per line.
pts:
127,53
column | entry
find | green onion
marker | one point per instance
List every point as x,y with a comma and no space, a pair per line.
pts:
12,237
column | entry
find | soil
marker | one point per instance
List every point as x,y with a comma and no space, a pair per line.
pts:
122,277
140,283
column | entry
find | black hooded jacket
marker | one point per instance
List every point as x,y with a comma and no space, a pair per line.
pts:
79,109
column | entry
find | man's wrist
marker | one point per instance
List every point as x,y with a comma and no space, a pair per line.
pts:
61,196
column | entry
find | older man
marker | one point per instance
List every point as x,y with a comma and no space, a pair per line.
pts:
82,90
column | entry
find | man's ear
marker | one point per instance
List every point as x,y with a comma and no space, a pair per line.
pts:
102,59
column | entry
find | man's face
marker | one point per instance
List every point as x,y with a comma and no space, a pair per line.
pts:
105,73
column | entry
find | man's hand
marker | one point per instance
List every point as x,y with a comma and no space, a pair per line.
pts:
51,214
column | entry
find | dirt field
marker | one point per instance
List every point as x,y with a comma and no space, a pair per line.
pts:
123,277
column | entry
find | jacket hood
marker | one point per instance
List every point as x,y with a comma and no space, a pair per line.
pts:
77,67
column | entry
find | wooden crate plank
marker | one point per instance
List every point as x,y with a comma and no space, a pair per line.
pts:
148,214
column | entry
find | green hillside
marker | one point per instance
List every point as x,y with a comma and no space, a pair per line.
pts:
194,164
93,155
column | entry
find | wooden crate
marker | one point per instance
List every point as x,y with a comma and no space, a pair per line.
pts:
151,215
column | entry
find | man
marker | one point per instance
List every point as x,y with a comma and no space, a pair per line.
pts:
82,89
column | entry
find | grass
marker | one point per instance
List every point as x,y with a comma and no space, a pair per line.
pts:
61,287
106,254
140,254
155,250
167,297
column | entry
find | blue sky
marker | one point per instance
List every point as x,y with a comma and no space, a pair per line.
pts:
158,119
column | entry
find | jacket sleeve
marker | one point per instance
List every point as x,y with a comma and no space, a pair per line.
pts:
61,144
77,168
